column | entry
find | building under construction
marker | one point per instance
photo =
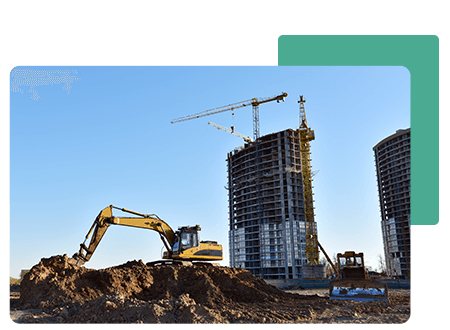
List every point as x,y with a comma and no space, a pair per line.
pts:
393,167
267,232
271,214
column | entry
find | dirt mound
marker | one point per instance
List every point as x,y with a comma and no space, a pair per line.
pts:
55,291
158,290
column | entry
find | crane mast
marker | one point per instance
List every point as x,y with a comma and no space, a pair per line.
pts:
231,131
307,135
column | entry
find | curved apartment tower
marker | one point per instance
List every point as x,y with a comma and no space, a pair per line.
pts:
266,208
392,162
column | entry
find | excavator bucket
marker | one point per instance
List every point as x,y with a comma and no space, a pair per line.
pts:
358,290
75,261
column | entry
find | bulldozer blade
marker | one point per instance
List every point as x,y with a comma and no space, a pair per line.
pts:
358,290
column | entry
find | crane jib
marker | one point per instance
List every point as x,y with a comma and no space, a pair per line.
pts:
233,106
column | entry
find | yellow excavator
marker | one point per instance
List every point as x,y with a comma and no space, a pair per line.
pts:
182,246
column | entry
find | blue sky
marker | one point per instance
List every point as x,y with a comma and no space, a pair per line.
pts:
110,141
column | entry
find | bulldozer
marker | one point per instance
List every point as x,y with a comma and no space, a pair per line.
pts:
353,281
182,246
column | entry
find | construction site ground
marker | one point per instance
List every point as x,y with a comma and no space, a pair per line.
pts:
55,291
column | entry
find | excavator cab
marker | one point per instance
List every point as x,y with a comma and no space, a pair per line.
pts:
188,236
187,246
189,239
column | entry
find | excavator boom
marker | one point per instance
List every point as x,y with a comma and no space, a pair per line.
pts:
105,218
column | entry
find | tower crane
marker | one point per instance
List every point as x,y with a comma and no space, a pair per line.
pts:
307,135
231,131
254,102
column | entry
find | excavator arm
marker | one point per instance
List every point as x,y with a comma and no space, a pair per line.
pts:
106,218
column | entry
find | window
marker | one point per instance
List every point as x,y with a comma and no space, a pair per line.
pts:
188,240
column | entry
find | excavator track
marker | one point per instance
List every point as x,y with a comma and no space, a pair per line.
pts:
169,262
180,262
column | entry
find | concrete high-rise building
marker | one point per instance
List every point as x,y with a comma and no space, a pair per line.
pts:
393,167
266,207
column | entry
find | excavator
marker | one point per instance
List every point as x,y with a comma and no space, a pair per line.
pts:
351,279
182,246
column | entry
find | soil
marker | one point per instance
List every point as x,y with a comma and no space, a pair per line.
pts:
55,291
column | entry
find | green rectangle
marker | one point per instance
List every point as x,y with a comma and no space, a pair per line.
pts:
420,55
